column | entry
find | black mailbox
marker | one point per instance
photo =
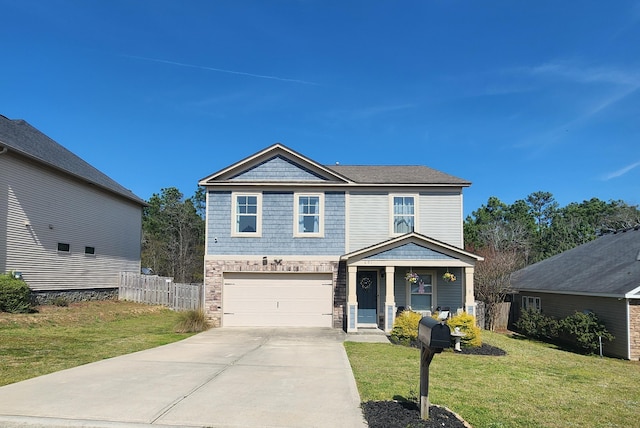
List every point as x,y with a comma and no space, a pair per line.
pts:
434,334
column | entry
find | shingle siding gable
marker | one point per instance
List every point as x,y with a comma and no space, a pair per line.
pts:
277,168
410,252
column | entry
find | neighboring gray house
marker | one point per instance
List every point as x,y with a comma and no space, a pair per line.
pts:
291,242
63,224
601,276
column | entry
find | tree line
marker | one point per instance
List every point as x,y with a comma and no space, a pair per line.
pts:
512,236
173,235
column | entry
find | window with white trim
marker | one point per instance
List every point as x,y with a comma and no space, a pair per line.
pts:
309,217
247,212
529,302
404,214
422,292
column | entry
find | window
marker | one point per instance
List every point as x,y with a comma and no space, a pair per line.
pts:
529,302
246,208
403,214
91,251
63,248
421,293
309,219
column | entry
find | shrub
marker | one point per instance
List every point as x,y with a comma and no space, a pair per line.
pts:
192,322
535,324
15,295
467,324
585,328
405,328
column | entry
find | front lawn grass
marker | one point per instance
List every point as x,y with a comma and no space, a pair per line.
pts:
534,385
57,338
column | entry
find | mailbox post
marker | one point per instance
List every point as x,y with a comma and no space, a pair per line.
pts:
434,336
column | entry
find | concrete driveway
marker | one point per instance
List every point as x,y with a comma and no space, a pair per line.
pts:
226,377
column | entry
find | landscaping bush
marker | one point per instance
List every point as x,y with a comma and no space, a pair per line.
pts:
533,323
467,324
585,328
192,322
580,330
15,295
405,328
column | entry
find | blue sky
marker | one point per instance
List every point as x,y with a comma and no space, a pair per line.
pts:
513,96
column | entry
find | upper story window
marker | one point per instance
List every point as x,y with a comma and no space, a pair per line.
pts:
64,247
247,214
309,219
404,214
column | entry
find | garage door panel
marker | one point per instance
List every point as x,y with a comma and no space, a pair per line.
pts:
278,300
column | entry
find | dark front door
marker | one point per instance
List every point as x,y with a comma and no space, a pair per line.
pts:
367,293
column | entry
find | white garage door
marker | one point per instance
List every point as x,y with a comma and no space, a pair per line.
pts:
277,300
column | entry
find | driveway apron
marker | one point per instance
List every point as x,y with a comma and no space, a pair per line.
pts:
226,377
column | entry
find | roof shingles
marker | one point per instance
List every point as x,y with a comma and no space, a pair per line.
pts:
20,137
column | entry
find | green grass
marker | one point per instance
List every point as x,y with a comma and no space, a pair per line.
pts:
58,338
534,385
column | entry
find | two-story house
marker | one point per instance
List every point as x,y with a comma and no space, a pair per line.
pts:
291,242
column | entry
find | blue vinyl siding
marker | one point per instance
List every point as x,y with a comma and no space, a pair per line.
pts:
278,169
277,227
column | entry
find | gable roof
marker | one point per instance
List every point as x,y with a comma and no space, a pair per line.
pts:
333,174
414,238
607,266
274,151
20,137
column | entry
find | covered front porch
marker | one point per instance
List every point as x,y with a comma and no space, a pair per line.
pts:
409,272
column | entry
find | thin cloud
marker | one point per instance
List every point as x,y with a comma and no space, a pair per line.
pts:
621,171
583,74
221,70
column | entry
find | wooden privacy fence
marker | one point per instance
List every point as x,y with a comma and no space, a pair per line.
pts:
159,290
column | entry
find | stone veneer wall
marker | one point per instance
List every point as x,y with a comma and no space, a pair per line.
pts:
50,297
214,278
634,329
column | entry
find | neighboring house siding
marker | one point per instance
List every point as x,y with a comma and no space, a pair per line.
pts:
611,311
277,228
44,208
368,219
634,328
441,217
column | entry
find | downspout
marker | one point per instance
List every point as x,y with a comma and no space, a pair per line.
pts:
4,150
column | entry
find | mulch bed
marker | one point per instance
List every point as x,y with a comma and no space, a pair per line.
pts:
396,414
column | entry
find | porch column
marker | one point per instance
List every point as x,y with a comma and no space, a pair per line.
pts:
469,295
352,299
390,301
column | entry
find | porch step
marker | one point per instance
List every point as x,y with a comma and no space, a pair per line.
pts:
374,335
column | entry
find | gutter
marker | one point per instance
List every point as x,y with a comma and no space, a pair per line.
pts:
4,150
